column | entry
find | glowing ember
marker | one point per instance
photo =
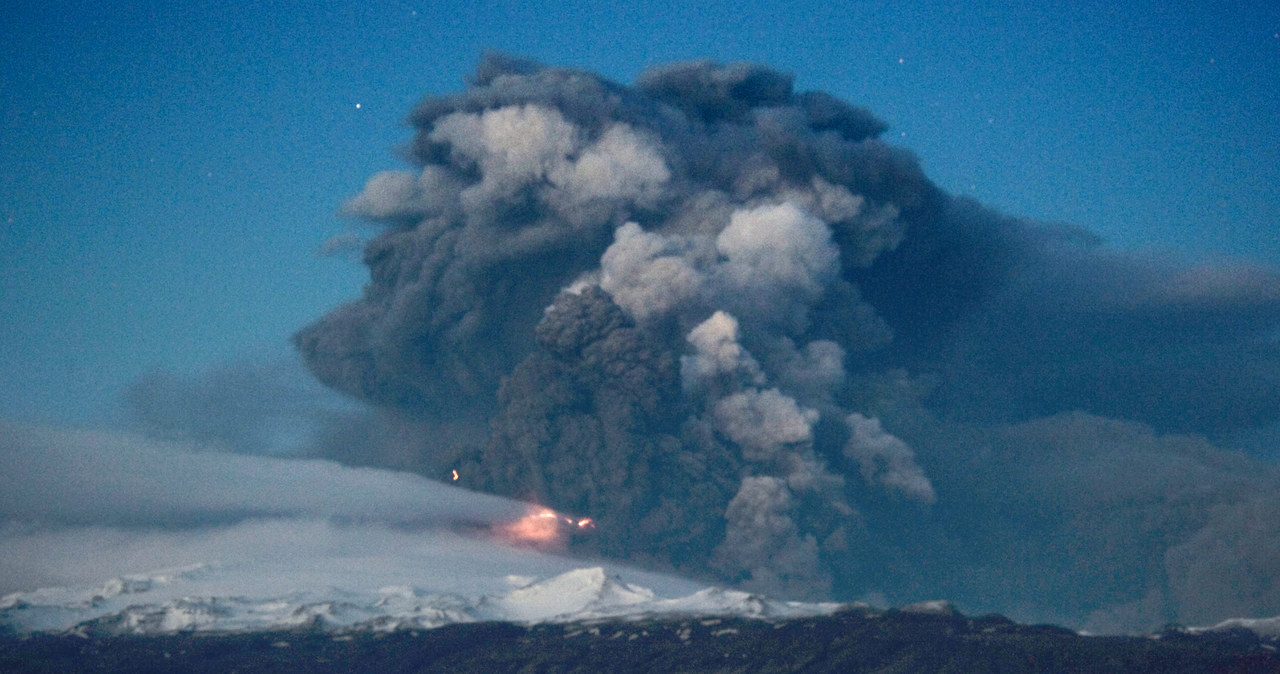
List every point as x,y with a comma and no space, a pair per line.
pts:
455,475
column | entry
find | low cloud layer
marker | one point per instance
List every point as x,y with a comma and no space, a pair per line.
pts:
85,477
80,507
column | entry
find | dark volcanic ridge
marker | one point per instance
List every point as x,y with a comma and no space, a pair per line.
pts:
849,641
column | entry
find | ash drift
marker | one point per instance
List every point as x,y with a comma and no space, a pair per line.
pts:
754,342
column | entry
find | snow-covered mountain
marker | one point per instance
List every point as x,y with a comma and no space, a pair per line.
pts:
185,599
1263,627
248,544
196,599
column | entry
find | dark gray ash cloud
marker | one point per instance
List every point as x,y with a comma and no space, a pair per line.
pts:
756,343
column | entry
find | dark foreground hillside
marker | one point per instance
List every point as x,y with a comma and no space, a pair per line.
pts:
853,641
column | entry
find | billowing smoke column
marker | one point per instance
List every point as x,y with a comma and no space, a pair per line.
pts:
747,336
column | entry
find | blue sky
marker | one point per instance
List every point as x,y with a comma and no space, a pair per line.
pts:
171,169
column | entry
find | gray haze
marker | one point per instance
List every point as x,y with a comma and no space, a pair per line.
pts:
83,506
754,342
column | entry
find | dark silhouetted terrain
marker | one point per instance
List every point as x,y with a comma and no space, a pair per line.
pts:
851,641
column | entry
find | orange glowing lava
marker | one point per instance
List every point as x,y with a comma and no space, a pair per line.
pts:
455,475
543,528
540,527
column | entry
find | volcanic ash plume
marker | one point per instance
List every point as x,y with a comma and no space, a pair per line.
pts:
711,311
